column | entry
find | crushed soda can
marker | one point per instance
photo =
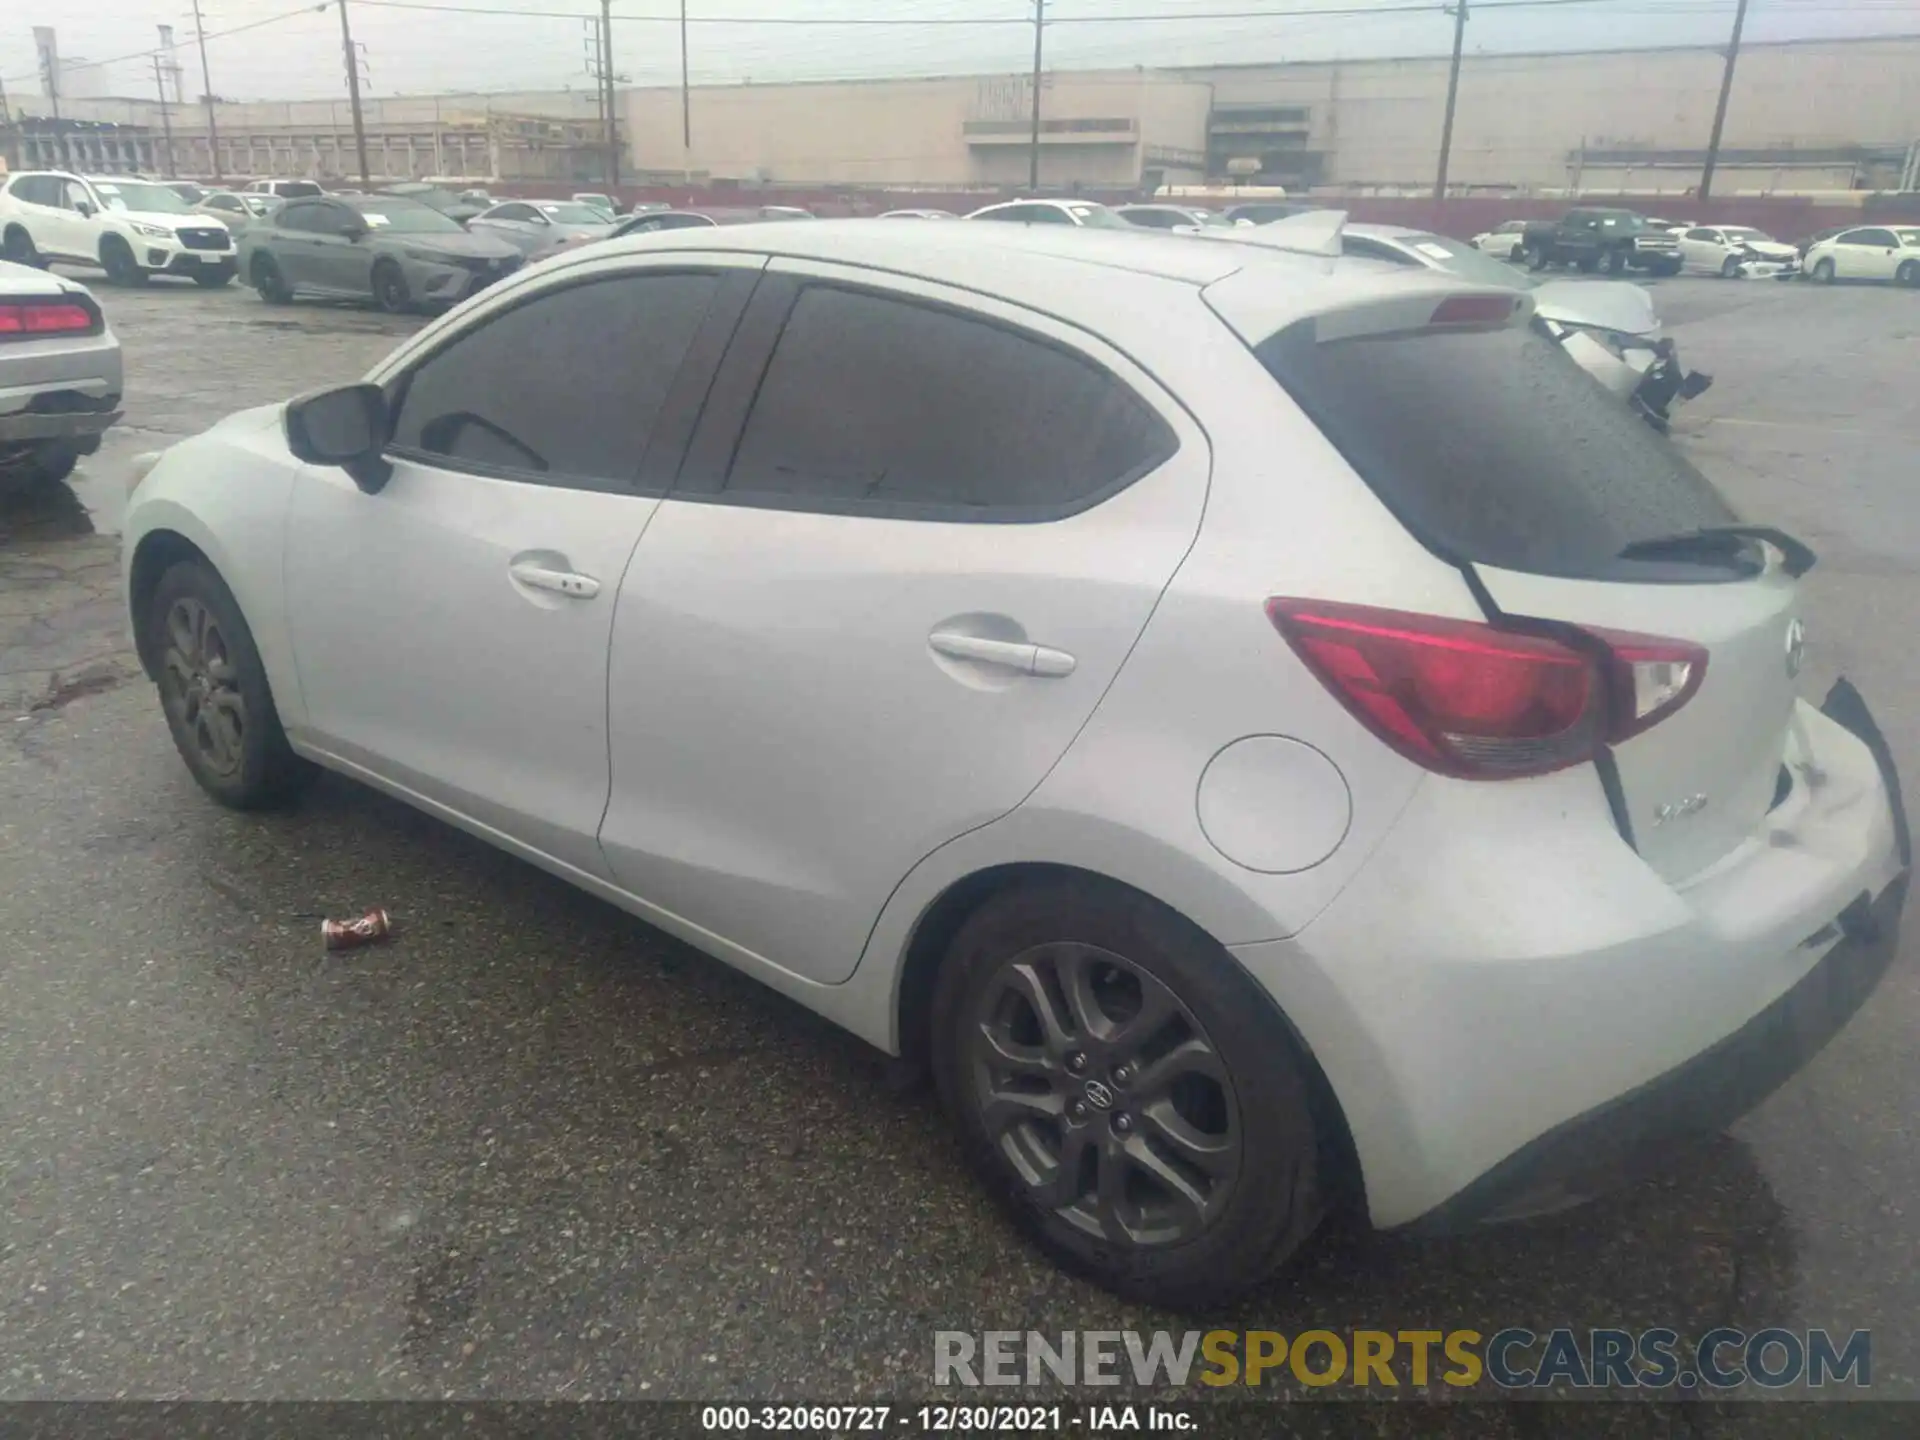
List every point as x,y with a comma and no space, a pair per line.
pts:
365,929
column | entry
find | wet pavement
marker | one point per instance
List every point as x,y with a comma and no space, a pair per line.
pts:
533,1148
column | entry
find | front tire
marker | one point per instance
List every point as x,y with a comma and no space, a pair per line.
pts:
116,258
1616,262
390,288
1730,269
1129,1094
214,692
1535,256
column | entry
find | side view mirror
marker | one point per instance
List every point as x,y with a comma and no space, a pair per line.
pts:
355,233
347,426
85,207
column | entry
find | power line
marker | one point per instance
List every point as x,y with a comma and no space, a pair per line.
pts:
210,35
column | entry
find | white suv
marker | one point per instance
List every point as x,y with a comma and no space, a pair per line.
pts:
1268,727
130,228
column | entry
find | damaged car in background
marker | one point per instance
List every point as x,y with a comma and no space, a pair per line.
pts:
1610,328
1737,252
59,377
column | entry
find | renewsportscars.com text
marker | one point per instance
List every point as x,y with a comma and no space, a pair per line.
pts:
1510,1359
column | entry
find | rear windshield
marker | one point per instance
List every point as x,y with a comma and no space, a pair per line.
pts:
1496,447
296,189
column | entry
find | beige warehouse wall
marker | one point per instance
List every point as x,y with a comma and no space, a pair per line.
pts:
911,131
1520,115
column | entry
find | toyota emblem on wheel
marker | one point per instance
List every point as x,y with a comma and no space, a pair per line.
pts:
1099,1096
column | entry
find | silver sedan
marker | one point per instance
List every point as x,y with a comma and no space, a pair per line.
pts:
538,227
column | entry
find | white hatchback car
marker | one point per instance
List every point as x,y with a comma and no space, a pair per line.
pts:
1866,252
1266,727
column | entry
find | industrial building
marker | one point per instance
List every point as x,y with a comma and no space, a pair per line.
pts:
1806,115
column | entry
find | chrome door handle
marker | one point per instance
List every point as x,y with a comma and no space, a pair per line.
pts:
1040,660
560,582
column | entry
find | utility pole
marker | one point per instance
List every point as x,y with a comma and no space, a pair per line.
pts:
1033,137
206,85
1720,110
686,104
353,94
166,120
1453,94
606,82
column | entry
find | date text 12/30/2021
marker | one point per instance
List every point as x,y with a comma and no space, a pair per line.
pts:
947,1419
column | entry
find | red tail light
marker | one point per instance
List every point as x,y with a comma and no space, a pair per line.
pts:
1469,700
61,317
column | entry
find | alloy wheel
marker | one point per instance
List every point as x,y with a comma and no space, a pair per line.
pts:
1105,1094
201,687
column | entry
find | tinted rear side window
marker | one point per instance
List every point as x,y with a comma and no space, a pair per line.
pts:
1496,447
874,403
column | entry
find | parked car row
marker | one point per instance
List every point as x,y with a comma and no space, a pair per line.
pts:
1591,239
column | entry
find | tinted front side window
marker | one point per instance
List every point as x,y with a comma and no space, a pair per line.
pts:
874,401
566,386
1496,447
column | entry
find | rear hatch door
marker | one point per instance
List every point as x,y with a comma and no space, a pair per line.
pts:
1503,456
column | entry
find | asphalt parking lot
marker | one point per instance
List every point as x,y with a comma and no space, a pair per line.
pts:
534,1149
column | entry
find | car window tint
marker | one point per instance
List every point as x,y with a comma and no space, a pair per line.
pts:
1496,447
870,401
1874,237
565,386
1710,235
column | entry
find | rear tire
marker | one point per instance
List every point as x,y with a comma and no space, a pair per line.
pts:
1181,1181
19,248
214,692
116,258
1616,262
1517,254
1909,273
1823,272
267,279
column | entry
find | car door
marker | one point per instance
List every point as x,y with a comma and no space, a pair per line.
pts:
451,631
1702,248
1872,254
76,226
294,243
915,537
338,255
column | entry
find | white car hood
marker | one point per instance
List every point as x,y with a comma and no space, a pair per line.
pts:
1772,249
161,217
1599,304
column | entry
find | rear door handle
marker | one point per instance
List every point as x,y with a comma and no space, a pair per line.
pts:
560,582
1040,660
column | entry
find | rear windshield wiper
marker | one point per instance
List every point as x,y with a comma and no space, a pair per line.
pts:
1712,541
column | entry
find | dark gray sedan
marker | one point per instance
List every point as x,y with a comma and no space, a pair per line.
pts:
370,247
538,227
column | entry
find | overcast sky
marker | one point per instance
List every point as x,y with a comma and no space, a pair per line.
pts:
412,50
